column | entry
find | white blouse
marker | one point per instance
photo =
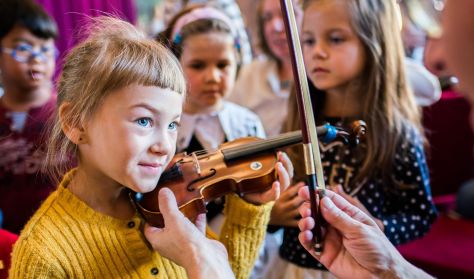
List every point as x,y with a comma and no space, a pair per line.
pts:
211,130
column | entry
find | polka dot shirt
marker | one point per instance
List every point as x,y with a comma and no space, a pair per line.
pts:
406,210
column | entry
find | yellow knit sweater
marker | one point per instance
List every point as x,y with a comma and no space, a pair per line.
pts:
68,239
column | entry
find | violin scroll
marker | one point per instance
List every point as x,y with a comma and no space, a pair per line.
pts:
359,130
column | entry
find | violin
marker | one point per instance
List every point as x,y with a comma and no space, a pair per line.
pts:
242,166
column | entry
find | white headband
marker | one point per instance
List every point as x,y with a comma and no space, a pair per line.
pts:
201,13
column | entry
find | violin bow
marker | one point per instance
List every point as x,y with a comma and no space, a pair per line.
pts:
312,158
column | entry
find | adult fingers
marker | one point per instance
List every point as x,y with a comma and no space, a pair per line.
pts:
353,211
168,206
305,210
303,193
201,223
306,224
152,234
306,239
344,216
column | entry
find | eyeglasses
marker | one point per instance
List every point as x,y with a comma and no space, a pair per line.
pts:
25,52
426,14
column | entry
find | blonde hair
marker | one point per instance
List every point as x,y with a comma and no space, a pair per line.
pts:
388,105
113,55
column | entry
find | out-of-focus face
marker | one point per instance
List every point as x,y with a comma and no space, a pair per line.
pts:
131,138
274,27
458,42
35,70
333,53
412,36
434,58
209,63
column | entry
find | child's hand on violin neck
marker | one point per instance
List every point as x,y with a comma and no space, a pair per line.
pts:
285,170
285,211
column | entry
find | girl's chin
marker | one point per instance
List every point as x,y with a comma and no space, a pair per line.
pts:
321,87
144,186
282,54
322,84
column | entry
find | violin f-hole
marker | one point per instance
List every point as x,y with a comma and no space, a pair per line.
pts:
190,187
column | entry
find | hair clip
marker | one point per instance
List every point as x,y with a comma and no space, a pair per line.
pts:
177,39
237,44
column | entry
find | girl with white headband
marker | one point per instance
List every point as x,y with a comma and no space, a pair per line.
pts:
205,42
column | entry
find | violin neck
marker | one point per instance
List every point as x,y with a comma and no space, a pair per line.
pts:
264,145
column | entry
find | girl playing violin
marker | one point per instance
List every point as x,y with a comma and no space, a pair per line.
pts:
119,107
354,60
206,44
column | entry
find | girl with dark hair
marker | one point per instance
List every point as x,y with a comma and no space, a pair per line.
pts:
27,61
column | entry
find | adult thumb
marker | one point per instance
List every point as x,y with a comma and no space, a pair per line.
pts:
168,205
201,223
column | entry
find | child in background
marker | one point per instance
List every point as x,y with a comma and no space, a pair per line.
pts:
232,10
354,60
264,85
27,60
206,45
119,106
424,85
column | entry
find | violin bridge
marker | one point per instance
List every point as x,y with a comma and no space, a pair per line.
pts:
197,167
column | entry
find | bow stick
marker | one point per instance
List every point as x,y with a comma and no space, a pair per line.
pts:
313,167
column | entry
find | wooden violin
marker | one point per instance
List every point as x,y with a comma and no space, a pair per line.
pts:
246,165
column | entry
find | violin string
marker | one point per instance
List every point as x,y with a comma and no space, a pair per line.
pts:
260,145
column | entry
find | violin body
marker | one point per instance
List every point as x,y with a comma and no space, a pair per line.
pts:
242,166
200,179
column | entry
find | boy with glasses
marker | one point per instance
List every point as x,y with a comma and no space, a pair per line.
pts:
27,61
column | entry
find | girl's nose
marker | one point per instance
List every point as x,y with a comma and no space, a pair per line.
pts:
213,75
163,145
320,51
278,24
37,57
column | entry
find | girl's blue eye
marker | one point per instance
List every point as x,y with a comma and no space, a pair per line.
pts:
144,122
23,47
173,126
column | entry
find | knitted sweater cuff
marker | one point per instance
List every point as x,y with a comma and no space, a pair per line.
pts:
244,214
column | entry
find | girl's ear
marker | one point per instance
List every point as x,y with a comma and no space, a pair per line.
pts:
73,133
